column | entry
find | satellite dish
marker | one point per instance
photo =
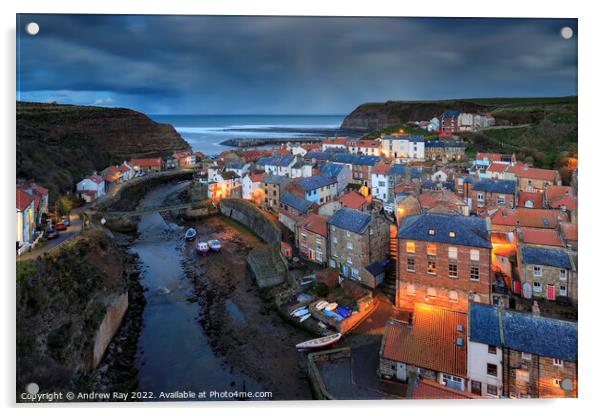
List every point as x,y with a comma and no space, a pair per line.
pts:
566,384
527,292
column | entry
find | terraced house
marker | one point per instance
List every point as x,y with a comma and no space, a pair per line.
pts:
311,236
357,240
443,260
488,194
520,355
272,187
401,148
319,189
534,179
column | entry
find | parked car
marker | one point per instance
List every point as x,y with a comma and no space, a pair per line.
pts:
66,220
60,226
52,234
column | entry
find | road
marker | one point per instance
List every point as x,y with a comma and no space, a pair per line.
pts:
73,230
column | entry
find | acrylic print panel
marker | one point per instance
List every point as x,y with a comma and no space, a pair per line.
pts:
295,208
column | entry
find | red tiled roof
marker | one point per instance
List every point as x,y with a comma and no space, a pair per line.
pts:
497,167
95,178
311,146
540,236
257,177
40,189
569,230
554,192
429,389
23,199
143,163
381,169
352,200
368,143
536,218
567,201
430,342
123,168
336,140
523,171
316,224
492,157
535,197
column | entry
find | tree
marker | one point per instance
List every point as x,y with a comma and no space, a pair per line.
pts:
64,205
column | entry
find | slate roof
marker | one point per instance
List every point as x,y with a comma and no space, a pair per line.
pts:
274,179
429,184
525,332
276,160
497,186
316,182
434,143
450,114
355,159
400,170
300,204
234,165
318,155
469,231
378,267
545,257
484,326
331,169
415,139
350,220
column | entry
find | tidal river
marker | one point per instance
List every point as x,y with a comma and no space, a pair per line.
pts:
173,351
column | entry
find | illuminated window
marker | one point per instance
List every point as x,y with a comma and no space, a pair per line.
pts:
431,267
410,247
453,252
452,234
431,249
557,382
431,231
474,255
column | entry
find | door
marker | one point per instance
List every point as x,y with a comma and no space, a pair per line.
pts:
402,372
475,387
551,292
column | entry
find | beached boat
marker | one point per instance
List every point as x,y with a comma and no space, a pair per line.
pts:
304,317
321,305
319,342
331,306
190,234
202,247
214,245
300,312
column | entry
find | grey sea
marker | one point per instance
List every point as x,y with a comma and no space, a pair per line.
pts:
206,132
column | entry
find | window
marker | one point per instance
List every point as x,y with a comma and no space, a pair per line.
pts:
492,349
557,362
453,270
349,261
537,271
452,234
349,245
431,231
348,234
334,240
491,389
492,370
522,375
474,272
411,289
452,253
562,290
453,296
431,249
526,356
557,382
562,274
475,387
537,287
410,247
431,293
411,264
501,200
431,267
355,273
318,255
474,255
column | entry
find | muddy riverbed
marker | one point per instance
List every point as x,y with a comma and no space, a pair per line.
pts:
205,325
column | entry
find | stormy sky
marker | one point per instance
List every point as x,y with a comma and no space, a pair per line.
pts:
287,65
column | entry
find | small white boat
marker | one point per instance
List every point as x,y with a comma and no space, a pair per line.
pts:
202,247
297,310
300,312
214,245
321,305
331,306
190,234
304,317
319,342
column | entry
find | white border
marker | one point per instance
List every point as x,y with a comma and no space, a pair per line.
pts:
590,96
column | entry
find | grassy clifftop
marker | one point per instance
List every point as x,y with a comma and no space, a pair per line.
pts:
59,144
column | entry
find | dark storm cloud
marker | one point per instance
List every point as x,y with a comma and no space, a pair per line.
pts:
205,64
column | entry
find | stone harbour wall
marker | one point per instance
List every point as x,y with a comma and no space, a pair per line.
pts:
247,214
110,324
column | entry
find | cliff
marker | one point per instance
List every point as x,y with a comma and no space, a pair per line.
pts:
58,144
507,111
69,305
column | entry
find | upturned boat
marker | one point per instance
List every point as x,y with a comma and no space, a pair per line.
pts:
202,247
319,342
214,245
190,234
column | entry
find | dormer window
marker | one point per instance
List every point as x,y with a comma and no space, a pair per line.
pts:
452,234
431,231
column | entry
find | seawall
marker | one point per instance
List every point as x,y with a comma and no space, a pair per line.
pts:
247,214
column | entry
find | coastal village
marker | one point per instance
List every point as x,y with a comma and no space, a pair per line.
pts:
462,269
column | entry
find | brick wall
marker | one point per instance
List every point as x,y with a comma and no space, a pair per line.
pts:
441,282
